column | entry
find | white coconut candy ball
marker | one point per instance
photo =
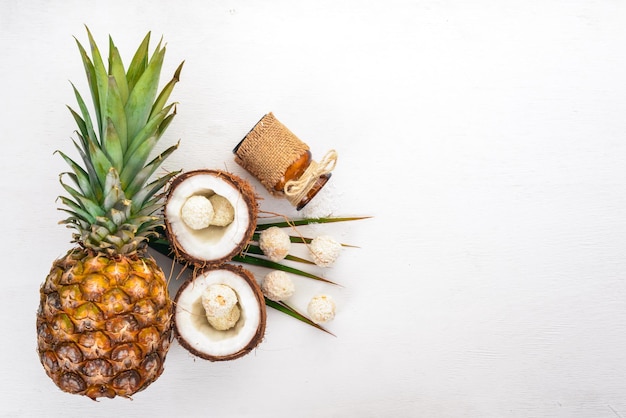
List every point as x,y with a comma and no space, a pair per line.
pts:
197,212
277,286
274,243
325,250
321,309
225,322
224,211
218,300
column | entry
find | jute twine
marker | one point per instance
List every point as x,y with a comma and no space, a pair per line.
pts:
268,150
297,190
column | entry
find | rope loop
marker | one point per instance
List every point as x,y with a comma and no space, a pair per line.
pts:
296,190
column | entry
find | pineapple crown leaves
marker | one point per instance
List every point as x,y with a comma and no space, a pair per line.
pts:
111,201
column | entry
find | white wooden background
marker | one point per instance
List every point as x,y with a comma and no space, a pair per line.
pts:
487,139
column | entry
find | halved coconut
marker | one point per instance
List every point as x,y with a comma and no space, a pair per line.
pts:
193,329
210,216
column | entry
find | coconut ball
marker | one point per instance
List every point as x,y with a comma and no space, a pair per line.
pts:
218,299
321,309
220,304
274,243
224,211
324,250
277,285
197,212
225,322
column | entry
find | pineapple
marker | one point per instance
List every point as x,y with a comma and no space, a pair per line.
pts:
104,318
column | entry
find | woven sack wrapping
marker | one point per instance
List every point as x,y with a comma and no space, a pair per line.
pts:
268,150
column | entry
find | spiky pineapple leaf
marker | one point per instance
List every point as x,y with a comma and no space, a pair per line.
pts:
104,222
166,122
141,97
139,180
144,195
74,220
141,144
98,232
76,180
82,126
110,175
85,203
100,161
139,63
113,191
148,226
86,117
94,180
116,69
76,210
113,146
101,81
149,208
91,81
166,92
118,217
115,113
79,176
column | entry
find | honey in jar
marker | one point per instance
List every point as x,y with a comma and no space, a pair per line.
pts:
282,162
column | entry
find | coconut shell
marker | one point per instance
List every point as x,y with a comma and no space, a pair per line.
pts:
249,197
260,332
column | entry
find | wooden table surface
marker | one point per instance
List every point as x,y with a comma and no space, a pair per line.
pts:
487,139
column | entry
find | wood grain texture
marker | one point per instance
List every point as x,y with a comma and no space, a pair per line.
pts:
486,138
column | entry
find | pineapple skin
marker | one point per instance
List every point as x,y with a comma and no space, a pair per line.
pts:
104,323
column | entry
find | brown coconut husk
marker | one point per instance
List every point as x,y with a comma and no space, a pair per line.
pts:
249,196
260,332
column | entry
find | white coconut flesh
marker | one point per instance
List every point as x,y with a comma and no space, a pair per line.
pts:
213,242
194,328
